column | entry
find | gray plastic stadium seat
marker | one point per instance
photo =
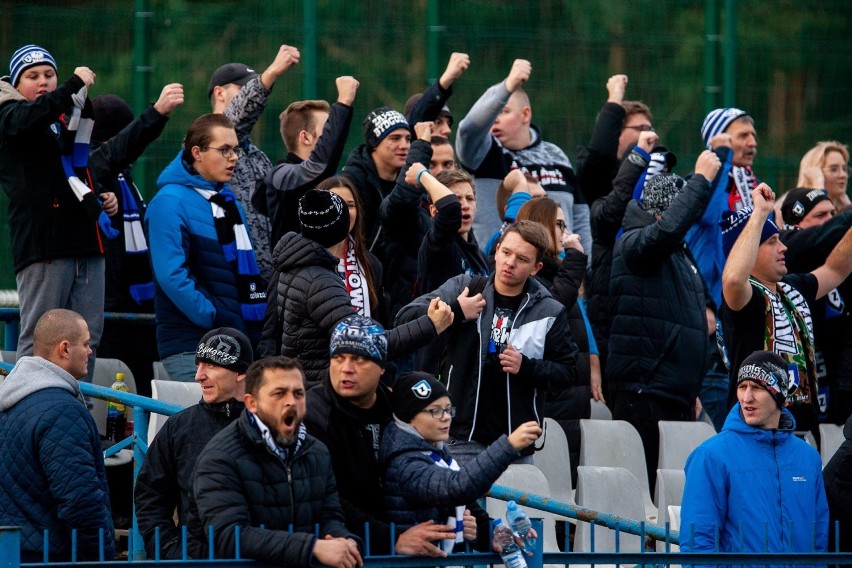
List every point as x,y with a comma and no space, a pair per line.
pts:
616,443
678,439
600,411
669,492
104,375
554,461
830,438
183,394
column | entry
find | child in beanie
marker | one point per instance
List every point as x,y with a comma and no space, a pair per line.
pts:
422,480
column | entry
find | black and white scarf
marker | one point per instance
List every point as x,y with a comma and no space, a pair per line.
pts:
285,453
744,181
237,247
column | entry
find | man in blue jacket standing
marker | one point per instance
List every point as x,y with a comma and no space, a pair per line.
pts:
755,483
52,475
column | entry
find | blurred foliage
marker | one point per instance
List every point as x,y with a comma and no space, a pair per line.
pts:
793,62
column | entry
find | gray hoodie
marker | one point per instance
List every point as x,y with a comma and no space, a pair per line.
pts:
32,374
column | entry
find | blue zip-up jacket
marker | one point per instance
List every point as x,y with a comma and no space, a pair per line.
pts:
196,287
762,488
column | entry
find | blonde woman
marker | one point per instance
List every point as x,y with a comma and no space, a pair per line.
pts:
826,165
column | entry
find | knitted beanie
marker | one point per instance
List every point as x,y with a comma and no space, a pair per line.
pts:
769,371
718,121
733,223
26,57
360,335
380,123
799,202
660,192
225,347
324,217
111,115
414,392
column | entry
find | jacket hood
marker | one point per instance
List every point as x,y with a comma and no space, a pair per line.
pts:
401,437
32,374
9,93
361,158
176,173
295,251
635,217
735,423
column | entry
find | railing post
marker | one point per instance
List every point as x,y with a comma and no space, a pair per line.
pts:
140,433
537,559
10,547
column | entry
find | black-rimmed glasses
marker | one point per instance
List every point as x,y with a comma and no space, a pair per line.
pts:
226,151
438,413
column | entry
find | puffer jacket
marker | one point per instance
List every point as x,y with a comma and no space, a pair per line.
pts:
196,287
239,481
658,337
311,298
753,478
165,481
52,475
417,489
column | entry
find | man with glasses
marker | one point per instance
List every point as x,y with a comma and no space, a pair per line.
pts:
348,412
510,342
241,94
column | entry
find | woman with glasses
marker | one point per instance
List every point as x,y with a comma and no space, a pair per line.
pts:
203,261
422,481
827,162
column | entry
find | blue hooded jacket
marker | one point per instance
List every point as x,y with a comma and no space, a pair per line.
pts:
762,488
196,287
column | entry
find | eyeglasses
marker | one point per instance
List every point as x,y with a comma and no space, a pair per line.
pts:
640,128
560,224
438,413
226,151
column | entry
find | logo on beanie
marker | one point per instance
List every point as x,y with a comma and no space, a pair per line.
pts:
33,57
798,209
385,120
422,389
221,350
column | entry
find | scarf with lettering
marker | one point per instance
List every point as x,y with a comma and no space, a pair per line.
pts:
353,277
75,158
136,267
238,250
743,181
788,331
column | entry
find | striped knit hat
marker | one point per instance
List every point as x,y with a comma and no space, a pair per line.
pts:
26,57
718,121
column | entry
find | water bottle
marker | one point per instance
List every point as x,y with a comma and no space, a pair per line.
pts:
510,552
520,524
116,412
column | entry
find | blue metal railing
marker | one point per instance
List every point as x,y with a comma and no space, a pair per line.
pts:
12,319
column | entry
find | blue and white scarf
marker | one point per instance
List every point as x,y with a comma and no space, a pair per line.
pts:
269,439
137,268
238,250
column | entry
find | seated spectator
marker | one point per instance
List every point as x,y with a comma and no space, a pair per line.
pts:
755,474
204,266
164,484
266,475
422,481
311,297
52,476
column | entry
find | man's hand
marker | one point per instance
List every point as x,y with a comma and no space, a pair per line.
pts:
423,130
287,57
510,360
86,74
571,241
347,86
171,97
764,199
458,64
516,181
615,87
524,435
441,315
723,139
418,539
469,524
109,203
595,377
647,140
707,164
814,178
519,74
711,322
337,552
471,306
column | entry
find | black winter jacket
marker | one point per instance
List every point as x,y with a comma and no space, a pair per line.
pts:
311,299
606,218
598,164
361,169
540,332
659,328
335,422
240,482
838,489
165,480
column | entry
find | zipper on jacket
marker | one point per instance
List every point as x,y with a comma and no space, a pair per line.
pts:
292,495
778,478
508,388
478,377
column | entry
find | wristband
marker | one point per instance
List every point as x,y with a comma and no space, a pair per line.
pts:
423,171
